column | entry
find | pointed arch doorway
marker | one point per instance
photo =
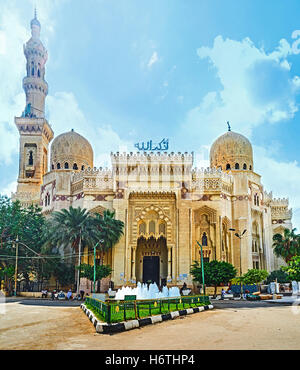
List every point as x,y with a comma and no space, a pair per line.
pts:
152,260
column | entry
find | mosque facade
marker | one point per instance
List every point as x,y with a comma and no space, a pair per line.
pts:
166,204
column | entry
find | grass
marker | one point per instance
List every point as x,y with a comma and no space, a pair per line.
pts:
142,310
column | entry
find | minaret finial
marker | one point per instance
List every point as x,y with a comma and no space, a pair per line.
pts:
229,128
35,13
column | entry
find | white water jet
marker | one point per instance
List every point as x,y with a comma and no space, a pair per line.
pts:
142,291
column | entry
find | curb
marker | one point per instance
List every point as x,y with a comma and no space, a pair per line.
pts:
105,328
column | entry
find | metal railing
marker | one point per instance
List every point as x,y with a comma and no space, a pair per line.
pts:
115,311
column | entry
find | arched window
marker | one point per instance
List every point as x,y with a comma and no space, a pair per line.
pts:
250,168
39,74
75,167
237,166
30,160
47,199
58,166
32,71
256,199
244,166
162,228
152,227
66,165
52,166
82,167
204,240
142,228
227,166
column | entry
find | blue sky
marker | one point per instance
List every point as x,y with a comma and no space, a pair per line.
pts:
124,71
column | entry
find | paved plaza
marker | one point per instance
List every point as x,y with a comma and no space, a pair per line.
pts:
43,324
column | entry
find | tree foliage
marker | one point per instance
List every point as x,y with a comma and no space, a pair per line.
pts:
293,268
287,245
87,271
254,276
280,275
39,240
215,273
28,226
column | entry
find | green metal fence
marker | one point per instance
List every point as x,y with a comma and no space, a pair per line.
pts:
116,311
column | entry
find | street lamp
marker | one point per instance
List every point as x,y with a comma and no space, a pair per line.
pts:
95,246
202,266
16,267
240,237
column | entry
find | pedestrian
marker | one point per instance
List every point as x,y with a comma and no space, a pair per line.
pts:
69,294
222,294
53,295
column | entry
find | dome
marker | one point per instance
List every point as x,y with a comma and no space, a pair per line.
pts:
71,151
35,22
231,151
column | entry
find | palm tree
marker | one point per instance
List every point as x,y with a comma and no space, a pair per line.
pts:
73,226
109,231
286,245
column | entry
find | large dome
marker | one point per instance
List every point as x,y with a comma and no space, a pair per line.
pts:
232,151
71,151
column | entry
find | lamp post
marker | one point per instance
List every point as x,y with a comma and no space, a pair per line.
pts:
240,237
95,246
16,267
202,266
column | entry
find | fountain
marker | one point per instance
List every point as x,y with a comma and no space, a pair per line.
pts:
142,291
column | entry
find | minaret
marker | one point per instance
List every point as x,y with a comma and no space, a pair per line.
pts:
35,132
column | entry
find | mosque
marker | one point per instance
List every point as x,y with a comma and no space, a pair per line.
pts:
166,204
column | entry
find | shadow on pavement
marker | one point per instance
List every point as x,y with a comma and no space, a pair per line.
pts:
221,304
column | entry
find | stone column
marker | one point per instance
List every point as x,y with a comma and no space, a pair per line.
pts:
218,226
133,257
169,263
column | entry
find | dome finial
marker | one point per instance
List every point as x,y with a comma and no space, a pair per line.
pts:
35,24
229,128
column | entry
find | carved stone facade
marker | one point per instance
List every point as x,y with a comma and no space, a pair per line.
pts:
166,204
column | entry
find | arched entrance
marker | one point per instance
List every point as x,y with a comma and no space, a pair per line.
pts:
152,260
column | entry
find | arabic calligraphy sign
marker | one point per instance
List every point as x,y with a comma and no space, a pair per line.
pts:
162,145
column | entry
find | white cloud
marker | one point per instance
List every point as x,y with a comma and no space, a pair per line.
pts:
255,88
65,114
282,178
10,188
153,59
14,32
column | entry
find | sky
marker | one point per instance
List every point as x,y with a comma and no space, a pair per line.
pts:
126,71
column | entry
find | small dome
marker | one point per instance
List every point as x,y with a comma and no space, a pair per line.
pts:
71,151
232,151
35,22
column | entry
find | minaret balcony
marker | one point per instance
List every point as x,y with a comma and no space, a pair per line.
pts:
29,171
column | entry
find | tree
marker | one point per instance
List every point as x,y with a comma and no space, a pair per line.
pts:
74,227
293,268
254,276
280,275
64,273
87,271
286,245
109,232
28,225
109,229
215,273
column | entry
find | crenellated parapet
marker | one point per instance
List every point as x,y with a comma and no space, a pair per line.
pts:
211,180
280,210
92,179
